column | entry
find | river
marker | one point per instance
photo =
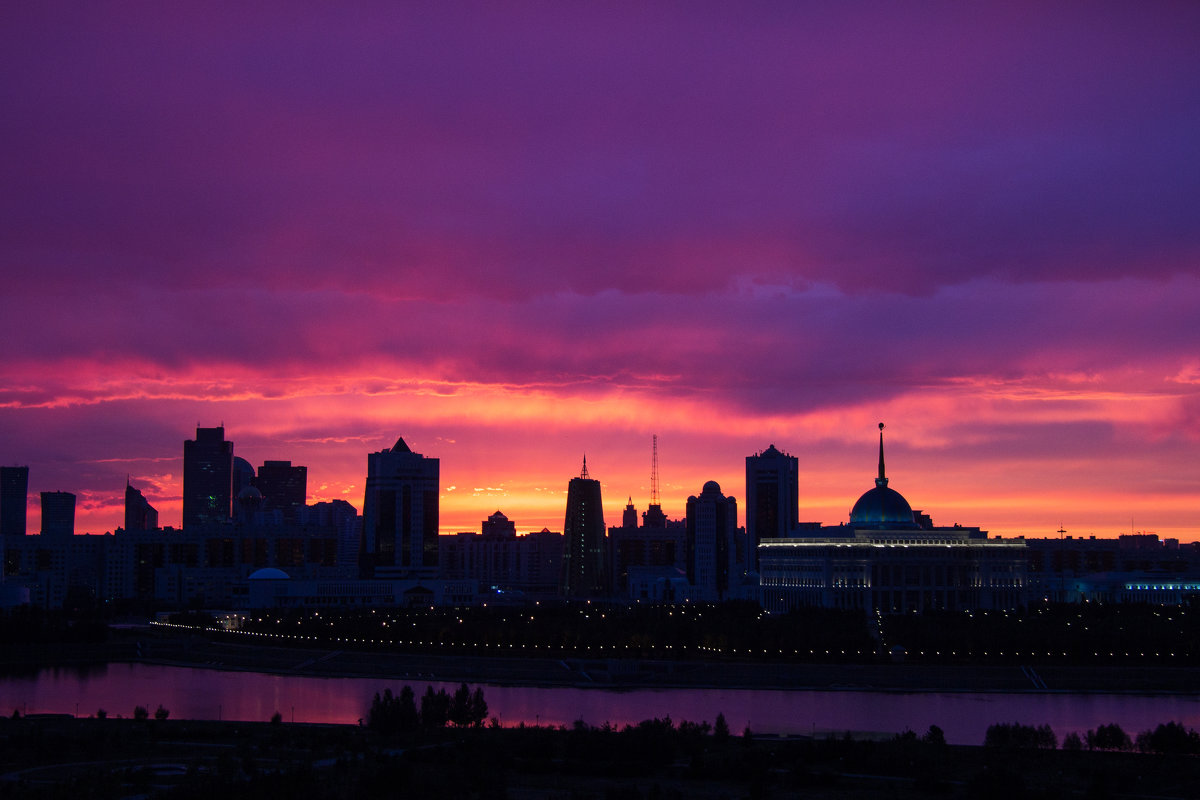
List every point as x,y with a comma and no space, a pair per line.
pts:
193,693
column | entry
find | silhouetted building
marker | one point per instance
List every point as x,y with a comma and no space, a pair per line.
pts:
139,514
284,487
772,499
207,478
653,517
498,526
711,549
629,515
654,551
892,559
400,514
243,475
14,496
508,568
58,514
583,568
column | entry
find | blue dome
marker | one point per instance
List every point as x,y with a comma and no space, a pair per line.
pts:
268,574
882,507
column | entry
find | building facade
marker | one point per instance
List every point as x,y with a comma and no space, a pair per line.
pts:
284,487
584,573
139,514
400,514
14,497
207,478
772,499
712,558
893,560
58,514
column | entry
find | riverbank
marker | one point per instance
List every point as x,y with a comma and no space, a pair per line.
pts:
115,758
175,647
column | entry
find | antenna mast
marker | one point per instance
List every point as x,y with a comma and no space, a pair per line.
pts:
654,475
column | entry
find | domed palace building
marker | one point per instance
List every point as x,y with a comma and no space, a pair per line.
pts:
891,559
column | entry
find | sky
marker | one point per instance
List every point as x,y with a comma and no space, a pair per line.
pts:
519,233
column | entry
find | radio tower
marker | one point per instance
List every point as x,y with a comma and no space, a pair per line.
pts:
654,499
654,516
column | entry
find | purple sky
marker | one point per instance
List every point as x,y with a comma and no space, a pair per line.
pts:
514,233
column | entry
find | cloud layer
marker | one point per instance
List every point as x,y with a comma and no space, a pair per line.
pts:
514,235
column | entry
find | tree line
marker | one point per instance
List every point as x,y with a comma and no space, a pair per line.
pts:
1169,737
391,714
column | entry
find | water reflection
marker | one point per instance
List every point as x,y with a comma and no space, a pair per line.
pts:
213,694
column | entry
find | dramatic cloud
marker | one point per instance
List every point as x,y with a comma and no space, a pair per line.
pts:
515,234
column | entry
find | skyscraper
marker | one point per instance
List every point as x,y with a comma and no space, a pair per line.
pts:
284,488
58,514
400,514
711,552
772,499
207,478
14,494
583,572
139,514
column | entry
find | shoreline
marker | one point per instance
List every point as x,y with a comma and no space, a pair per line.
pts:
202,652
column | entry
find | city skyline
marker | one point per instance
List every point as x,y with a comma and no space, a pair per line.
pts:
518,236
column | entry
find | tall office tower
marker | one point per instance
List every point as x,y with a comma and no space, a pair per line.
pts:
400,514
711,553
583,572
139,514
58,514
207,478
14,494
284,488
772,499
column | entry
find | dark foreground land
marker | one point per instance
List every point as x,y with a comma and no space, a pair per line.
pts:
113,758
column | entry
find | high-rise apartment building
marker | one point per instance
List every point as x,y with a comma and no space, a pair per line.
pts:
58,514
14,494
711,549
207,478
139,514
400,514
583,568
772,499
284,488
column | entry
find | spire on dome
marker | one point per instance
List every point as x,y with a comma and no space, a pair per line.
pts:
584,474
881,481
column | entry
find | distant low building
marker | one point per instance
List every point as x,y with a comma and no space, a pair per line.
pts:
503,564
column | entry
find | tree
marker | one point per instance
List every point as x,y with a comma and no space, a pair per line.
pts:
101,714
1109,737
161,713
460,707
479,707
406,709
1022,736
435,708
140,712
935,736
277,718
1072,741
1170,737
721,729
